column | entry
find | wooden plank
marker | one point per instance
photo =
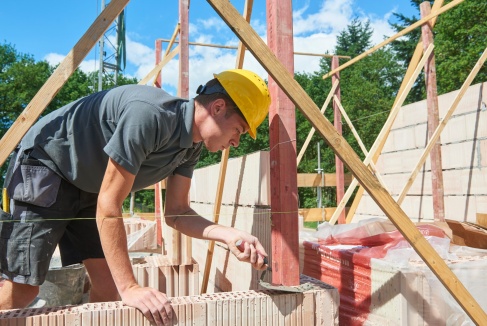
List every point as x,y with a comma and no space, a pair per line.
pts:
302,101
337,123
157,81
482,219
320,180
52,86
224,163
396,36
433,118
183,91
282,139
317,214
434,138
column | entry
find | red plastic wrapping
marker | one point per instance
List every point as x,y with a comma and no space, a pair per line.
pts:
336,262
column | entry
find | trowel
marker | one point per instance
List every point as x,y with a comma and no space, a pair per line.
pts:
268,286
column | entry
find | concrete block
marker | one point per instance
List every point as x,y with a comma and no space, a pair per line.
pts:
413,114
460,208
421,135
476,124
247,181
468,103
404,138
227,273
157,272
455,130
482,153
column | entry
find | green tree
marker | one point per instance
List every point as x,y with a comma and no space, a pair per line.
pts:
20,78
460,36
460,39
404,48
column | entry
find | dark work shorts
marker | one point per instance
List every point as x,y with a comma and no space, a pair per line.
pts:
45,210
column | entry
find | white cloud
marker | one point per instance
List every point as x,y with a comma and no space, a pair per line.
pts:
87,65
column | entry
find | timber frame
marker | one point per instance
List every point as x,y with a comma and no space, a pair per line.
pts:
296,94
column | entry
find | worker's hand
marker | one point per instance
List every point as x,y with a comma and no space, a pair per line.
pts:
247,248
155,305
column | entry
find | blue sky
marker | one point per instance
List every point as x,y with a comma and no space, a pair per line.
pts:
49,29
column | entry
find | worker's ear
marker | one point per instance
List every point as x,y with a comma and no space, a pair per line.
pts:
217,107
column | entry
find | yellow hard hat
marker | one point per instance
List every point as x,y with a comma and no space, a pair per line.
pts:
250,94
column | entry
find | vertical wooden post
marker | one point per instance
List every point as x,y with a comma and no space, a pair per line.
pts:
157,186
282,128
183,91
183,84
158,82
433,118
337,122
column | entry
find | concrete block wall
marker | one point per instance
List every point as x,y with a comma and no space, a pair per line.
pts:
158,273
318,306
247,182
245,206
464,159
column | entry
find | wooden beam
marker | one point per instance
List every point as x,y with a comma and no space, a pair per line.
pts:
302,101
312,131
157,80
337,123
412,66
396,36
320,180
385,130
224,163
316,214
183,91
282,138
436,135
58,78
433,118
231,47
157,69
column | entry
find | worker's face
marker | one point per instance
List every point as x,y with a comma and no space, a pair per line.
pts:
225,128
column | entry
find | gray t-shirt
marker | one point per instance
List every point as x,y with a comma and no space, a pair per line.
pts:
143,128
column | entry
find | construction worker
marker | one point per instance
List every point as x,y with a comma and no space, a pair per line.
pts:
84,159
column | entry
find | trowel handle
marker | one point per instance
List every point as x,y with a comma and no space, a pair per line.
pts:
241,246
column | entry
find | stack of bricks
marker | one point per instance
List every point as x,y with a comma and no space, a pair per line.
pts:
141,234
317,306
158,273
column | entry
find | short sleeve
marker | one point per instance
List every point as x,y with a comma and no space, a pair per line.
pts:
137,133
186,169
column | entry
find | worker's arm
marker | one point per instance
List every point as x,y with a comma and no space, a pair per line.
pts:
115,187
181,217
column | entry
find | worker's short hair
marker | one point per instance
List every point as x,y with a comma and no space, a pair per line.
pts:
212,91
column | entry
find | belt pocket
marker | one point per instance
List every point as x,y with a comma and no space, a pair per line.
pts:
15,240
34,184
